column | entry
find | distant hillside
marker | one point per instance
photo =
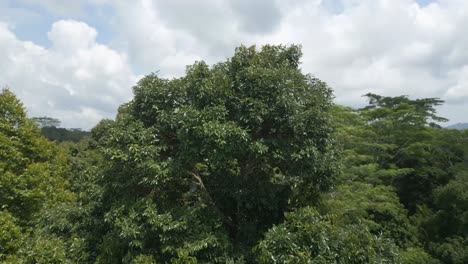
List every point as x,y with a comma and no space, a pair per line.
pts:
459,126
50,128
63,134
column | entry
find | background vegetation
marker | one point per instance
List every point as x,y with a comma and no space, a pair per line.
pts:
246,161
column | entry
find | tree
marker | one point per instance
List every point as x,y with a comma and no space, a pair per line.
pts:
200,166
376,207
309,237
392,145
403,134
62,134
33,174
445,229
10,235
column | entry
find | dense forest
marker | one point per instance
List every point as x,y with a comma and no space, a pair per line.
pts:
245,161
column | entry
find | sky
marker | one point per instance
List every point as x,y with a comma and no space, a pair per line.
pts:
78,60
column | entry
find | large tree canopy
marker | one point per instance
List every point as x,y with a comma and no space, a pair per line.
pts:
225,149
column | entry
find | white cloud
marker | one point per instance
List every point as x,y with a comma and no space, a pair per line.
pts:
166,36
390,47
70,36
76,80
458,92
382,46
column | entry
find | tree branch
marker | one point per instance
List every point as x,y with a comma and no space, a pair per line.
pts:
200,183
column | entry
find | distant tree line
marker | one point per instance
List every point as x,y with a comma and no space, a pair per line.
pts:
50,128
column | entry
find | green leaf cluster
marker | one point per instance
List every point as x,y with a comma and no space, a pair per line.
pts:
33,176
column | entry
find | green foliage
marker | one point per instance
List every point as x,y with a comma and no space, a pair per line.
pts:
404,131
453,250
75,227
393,144
46,249
377,208
199,167
308,237
451,201
50,129
10,234
444,228
62,134
417,256
245,161
33,174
